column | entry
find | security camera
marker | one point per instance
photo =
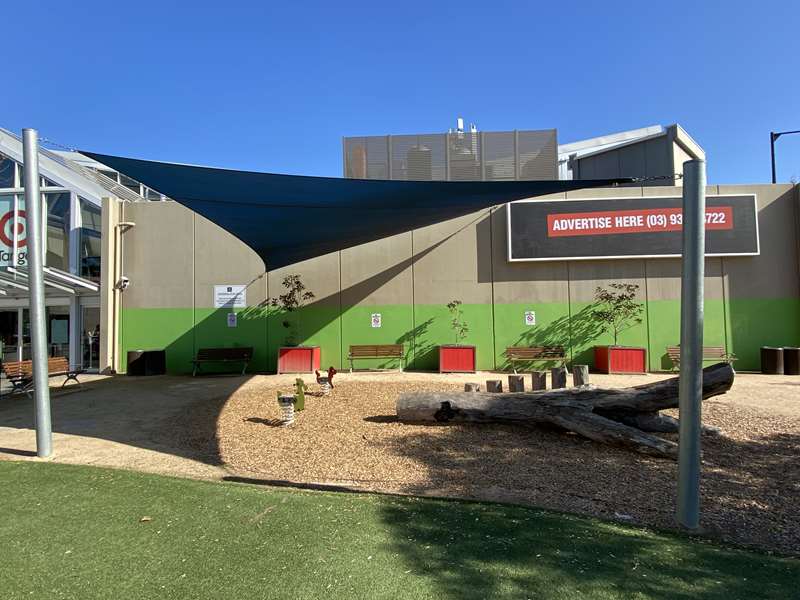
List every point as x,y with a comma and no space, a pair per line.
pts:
123,283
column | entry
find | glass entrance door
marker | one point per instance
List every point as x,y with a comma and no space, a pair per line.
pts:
9,335
90,338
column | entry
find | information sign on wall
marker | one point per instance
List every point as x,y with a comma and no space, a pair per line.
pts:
230,296
376,319
626,228
530,318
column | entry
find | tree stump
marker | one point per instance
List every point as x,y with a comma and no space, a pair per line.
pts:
472,387
538,380
494,386
516,383
580,375
622,417
558,377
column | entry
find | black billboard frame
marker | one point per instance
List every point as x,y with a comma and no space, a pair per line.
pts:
510,259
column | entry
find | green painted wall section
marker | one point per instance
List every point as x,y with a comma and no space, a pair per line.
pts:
742,326
755,323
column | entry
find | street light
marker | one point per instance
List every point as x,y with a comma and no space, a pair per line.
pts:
774,135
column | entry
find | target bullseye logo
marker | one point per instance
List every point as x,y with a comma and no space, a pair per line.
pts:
7,225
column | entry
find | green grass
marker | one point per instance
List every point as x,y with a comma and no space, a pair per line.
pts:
76,532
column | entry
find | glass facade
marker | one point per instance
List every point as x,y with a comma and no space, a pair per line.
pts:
58,230
89,240
7,171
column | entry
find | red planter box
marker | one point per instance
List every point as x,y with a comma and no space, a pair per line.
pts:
298,359
620,359
456,359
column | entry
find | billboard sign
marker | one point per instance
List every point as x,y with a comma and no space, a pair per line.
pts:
626,228
12,229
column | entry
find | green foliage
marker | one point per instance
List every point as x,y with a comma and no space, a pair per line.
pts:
616,309
293,300
457,322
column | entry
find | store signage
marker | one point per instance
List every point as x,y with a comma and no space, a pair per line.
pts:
530,318
626,228
230,296
9,228
232,320
376,319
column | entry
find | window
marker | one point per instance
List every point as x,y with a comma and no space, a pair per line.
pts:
58,230
7,170
90,240
131,184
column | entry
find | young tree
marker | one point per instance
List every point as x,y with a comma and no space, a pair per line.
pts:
458,324
293,300
617,309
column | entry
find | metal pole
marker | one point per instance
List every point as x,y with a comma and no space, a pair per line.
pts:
691,374
772,138
33,209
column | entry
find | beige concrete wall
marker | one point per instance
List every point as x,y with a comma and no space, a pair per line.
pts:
174,257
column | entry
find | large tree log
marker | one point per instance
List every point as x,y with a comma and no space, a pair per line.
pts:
614,416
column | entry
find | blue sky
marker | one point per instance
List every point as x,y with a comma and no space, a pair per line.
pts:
273,86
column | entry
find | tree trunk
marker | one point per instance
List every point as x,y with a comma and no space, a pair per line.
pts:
621,417
580,375
538,380
516,383
494,386
558,377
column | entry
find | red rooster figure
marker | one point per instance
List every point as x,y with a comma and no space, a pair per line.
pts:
326,382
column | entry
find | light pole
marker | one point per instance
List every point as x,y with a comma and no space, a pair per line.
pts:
690,392
774,135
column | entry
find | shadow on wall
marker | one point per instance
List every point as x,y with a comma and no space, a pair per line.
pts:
182,332
576,331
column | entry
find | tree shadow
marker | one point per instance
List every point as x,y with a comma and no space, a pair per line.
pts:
570,331
748,494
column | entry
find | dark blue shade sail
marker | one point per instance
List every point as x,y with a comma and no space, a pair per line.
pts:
289,218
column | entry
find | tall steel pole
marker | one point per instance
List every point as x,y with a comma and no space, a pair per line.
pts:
772,138
690,390
33,210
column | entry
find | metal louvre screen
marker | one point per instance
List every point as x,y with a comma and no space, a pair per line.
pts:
455,156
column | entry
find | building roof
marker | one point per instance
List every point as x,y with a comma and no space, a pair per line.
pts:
605,143
66,172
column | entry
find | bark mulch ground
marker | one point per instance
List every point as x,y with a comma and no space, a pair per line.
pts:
751,474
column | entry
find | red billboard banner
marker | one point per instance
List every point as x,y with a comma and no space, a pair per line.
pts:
650,220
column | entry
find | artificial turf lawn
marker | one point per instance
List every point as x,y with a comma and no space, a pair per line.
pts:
77,532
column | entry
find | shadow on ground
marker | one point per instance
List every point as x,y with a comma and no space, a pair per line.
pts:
749,486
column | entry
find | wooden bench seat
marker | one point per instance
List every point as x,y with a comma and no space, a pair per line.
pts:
717,353
516,354
241,355
376,351
20,373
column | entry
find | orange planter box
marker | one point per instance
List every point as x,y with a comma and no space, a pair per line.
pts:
298,359
620,359
456,359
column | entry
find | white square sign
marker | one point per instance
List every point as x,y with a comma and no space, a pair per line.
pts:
230,296
530,318
376,319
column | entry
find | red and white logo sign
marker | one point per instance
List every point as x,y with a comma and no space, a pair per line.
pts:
7,226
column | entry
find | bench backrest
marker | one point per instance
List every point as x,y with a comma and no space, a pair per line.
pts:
535,352
377,351
239,353
24,368
708,352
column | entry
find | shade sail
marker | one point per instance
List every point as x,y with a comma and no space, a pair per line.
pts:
289,218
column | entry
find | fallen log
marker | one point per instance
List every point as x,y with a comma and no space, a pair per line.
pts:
622,417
